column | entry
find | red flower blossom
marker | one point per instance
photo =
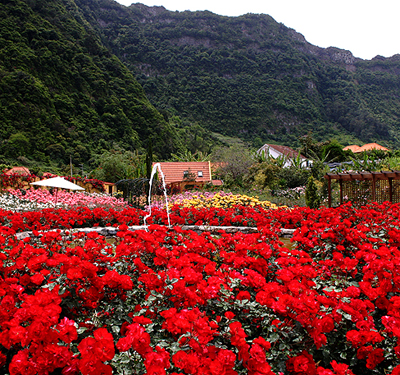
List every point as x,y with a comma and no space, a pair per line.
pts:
67,330
95,351
229,315
189,362
157,361
137,338
374,358
303,364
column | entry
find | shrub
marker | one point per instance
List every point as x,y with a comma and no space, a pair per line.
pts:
293,177
313,199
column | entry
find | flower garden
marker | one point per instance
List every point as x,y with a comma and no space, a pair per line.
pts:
32,199
170,301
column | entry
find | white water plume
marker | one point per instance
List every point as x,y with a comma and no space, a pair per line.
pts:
153,172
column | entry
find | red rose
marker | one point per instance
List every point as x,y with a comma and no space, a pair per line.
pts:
374,358
229,315
303,364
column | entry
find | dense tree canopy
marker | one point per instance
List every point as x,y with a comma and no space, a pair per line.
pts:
82,77
251,76
63,94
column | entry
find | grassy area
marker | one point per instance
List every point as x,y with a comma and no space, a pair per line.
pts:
229,141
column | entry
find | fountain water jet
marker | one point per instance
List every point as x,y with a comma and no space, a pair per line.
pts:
153,172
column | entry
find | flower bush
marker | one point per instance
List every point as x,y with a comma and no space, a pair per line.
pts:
172,301
15,180
18,181
14,203
294,193
213,199
42,198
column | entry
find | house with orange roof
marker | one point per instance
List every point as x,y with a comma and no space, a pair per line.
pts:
372,146
181,176
367,147
353,148
23,171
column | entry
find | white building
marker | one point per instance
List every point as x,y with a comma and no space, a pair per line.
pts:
278,151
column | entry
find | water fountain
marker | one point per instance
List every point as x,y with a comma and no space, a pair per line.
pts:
153,172
111,232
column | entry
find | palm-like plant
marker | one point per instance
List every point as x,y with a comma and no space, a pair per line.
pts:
261,157
265,157
391,163
189,156
366,163
281,160
319,163
323,158
297,161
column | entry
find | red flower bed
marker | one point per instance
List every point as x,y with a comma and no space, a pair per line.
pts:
172,301
80,217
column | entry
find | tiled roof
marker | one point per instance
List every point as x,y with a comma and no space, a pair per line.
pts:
285,150
371,146
18,170
367,147
353,148
174,171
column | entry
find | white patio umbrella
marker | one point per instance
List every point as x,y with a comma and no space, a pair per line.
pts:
58,182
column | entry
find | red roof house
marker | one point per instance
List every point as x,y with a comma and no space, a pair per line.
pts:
276,151
186,175
19,170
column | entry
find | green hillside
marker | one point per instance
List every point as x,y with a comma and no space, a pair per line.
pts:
62,93
78,77
251,76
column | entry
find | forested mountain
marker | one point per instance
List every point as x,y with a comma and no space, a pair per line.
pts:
251,76
62,93
81,76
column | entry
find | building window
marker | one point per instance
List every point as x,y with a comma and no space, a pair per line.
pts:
200,174
185,174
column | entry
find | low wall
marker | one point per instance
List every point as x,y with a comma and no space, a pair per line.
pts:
112,231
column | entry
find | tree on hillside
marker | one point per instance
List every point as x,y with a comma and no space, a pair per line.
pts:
233,164
118,165
310,147
335,151
188,156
